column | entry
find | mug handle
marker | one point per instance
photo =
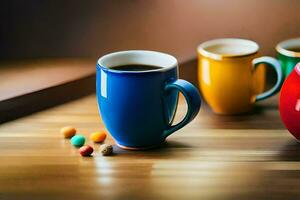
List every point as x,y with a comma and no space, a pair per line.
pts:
276,65
193,100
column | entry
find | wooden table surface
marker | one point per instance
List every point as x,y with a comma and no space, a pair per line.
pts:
214,157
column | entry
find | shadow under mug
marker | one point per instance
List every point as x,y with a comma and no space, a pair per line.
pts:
229,77
288,54
138,107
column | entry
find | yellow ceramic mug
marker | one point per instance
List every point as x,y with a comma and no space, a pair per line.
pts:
229,77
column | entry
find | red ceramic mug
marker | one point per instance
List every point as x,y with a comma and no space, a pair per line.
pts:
289,104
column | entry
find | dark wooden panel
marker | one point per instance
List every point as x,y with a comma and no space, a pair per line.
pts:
29,86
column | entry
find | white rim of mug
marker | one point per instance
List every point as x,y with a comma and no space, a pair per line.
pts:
201,49
142,57
282,47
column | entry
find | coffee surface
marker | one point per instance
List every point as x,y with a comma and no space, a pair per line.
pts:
294,49
135,67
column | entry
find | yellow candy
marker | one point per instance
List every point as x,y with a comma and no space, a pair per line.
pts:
98,136
68,131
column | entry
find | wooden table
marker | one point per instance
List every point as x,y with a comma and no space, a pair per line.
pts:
214,157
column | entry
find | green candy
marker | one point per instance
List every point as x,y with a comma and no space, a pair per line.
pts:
78,140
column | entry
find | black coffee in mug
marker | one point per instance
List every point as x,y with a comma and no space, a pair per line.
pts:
294,49
135,67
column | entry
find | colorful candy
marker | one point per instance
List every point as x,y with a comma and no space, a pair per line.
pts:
106,149
86,150
78,140
98,136
68,131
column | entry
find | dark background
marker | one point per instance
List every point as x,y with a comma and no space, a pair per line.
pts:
73,28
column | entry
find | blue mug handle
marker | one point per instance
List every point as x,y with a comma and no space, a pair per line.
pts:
193,100
276,65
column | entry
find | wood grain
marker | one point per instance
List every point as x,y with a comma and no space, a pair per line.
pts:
27,86
214,157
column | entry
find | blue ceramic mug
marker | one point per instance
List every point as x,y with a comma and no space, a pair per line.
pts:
138,107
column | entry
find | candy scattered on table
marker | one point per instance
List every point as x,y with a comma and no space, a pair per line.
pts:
106,149
78,140
68,131
98,136
86,150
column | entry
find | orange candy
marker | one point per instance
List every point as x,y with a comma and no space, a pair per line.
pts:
68,131
98,136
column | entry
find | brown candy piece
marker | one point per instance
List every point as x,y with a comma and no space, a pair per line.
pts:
106,149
